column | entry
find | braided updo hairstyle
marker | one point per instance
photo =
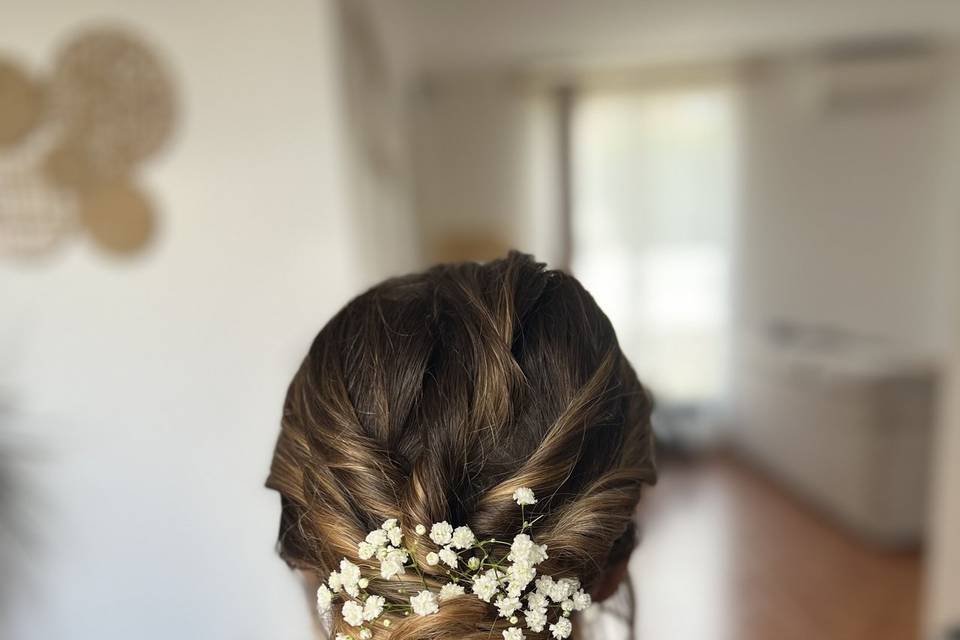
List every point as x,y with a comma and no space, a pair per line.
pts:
434,397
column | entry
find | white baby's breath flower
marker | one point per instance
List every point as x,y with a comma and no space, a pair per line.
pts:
519,575
504,587
520,548
366,550
350,576
538,553
450,590
536,620
449,557
524,549
545,585
324,598
537,601
424,603
561,629
524,496
334,581
373,607
441,533
562,589
349,572
463,538
521,572
486,585
581,600
353,613
377,538
506,606
392,564
396,536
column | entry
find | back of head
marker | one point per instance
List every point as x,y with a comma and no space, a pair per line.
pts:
434,397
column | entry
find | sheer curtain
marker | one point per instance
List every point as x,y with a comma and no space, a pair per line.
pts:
654,196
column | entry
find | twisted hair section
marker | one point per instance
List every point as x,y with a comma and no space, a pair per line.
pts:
434,397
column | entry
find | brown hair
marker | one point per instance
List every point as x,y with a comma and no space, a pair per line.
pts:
433,397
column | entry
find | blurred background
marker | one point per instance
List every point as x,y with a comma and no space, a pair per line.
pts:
762,195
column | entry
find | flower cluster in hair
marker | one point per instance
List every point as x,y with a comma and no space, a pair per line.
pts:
508,583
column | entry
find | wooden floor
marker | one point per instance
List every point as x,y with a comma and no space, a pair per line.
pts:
727,555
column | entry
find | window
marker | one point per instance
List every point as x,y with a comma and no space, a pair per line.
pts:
654,196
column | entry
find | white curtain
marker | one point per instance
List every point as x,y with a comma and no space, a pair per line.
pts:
654,177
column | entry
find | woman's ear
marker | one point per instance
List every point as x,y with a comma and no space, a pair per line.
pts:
617,563
610,581
310,580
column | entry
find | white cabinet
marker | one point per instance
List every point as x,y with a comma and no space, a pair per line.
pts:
849,432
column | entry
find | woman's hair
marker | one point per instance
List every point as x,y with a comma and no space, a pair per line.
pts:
435,396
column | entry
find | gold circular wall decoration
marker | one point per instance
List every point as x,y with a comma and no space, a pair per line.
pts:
34,216
108,106
114,99
21,103
67,165
118,217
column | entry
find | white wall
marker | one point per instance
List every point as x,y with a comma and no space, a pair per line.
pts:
943,557
375,81
149,390
840,223
484,163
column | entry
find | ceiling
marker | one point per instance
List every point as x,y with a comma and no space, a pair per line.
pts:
430,35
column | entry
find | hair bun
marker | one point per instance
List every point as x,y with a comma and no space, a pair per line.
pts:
435,397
